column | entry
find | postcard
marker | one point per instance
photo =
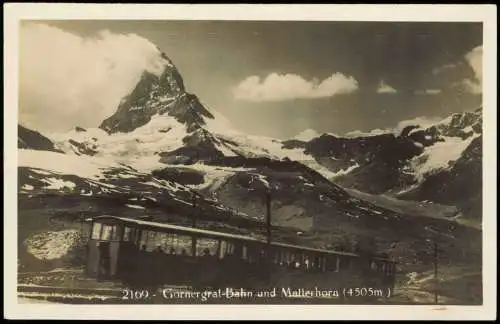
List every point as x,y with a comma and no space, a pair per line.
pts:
250,161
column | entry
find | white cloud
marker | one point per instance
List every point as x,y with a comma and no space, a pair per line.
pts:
428,92
67,80
475,59
443,68
281,87
307,135
385,88
373,132
472,86
432,91
422,123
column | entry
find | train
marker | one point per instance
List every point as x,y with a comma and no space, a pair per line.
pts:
145,253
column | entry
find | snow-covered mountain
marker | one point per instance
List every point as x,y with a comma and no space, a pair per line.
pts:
405,162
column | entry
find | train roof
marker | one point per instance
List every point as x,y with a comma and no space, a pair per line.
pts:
214,234
177,228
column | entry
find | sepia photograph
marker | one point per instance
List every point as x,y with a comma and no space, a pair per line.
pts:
286,162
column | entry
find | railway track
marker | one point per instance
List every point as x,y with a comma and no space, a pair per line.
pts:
70,295
80,295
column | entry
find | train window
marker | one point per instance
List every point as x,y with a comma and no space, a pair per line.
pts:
296,260
206,247
185,245
106,232
161,240
282,255
168,241
171,243
127,234
225,249
304,260
137,236
389,269
144,239
373,265
174,243
244,252
308,264
276,256
115,234
96,231
337,264
229,248
182,245
151,243
316,262
290,260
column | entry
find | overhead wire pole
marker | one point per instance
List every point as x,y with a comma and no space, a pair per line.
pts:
193,220
436,284
268,215
436,260
268,228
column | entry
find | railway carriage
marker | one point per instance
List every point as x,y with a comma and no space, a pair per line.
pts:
145,253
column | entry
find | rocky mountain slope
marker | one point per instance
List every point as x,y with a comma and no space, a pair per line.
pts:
418,162
29,139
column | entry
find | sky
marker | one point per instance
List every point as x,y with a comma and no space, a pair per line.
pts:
268,78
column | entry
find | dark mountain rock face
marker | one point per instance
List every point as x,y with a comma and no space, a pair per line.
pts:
383,162
461,184
380,158
199,145
153,95
81,148
382,168
29,139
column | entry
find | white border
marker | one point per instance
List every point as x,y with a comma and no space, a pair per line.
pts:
39,11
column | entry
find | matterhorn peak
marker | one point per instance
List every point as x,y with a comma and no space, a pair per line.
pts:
157,94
